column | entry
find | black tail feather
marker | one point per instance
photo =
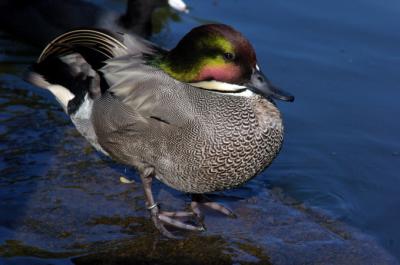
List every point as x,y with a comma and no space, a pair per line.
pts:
95,45
77,55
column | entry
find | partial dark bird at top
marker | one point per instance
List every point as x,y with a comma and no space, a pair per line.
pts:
39,21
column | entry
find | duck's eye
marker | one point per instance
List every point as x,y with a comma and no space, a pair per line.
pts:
229,56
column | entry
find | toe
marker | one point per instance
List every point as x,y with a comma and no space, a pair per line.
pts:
175,223
160,227
219,208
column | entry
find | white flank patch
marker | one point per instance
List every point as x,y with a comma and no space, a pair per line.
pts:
62,95
83,123
85,109
81,118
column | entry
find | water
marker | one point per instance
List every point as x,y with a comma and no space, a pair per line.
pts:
59,198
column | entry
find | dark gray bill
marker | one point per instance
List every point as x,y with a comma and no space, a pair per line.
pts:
261,85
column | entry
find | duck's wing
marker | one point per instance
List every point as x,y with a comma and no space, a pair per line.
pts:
93,62
148,91
143,104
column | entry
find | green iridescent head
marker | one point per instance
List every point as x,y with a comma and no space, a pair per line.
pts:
217,57
211,52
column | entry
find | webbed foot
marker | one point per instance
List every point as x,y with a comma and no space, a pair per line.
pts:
162,218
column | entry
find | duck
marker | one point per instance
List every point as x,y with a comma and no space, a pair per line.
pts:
23,18
200,117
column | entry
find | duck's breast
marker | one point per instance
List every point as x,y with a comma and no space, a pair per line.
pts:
230,140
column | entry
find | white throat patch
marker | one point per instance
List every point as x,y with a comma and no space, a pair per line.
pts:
222,87
218,86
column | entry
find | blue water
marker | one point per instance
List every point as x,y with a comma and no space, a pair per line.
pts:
341,59
342,144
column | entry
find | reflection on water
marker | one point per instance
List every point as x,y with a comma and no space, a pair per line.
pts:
62,203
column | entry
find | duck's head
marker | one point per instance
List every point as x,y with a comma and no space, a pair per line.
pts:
217,57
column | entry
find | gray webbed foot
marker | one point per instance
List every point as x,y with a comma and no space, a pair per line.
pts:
162,218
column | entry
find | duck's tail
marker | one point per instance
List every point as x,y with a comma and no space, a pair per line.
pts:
96,45
68,66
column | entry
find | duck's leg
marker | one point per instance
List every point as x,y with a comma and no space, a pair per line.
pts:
158,217
200,199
